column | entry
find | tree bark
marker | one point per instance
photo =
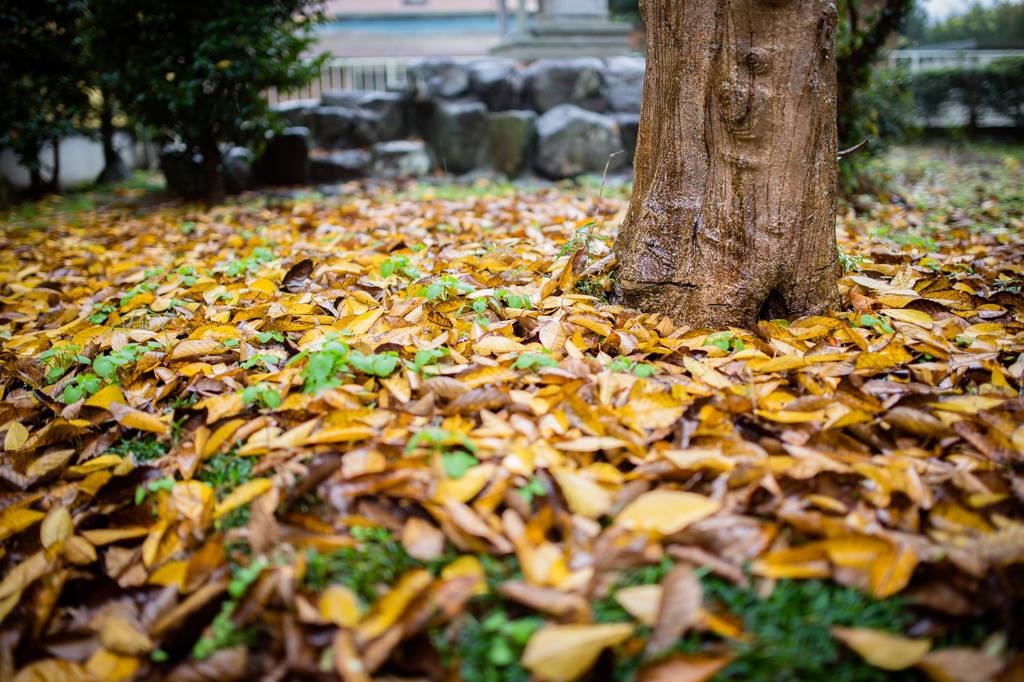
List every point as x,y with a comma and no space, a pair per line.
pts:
114,169
732,217
213,181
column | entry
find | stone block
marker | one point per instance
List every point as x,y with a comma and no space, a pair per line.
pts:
457,135
497,82
432,78
400,159
624,83
551,82
511,139
572,141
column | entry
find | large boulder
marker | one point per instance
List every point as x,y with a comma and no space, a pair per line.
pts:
400,159
624,83
430,79
332,127
286,158
497,82
183,171
295,111
237,170
351,164
571,141
551,82
381,115
629,128
457,135
510,141
387,112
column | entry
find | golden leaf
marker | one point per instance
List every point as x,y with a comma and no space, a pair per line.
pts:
57,527
16,437
881,649
564,652
340,605
665,511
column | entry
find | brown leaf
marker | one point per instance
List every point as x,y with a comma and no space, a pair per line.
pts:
680,609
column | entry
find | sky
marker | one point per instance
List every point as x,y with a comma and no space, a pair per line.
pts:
939,10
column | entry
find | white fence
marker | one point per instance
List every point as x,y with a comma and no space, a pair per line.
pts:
355,73
916,61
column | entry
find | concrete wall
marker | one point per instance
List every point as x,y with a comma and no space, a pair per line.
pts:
81,160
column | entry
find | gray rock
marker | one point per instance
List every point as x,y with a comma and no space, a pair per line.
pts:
237,170
382,113
400,159
624,83
497,82
571,141
343,166
182,171
629,128
550,82
295,111
387,113
286,158
332,127
510,141
457,135
344,98
436,78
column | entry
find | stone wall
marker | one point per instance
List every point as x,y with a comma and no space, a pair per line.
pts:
552,118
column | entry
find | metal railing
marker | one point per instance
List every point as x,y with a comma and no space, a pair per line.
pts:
916,61
354,73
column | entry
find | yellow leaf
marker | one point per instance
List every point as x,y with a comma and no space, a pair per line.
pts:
564,652
912,316
968,404
340,606
591,444
497,344
16,437
136,419
110,667
14,521
467,565
666,511
362,324
192,347
105,396
389,608
422,540
57,527
584,495
641,601
193,500
124,636
54,670
883,650
243,494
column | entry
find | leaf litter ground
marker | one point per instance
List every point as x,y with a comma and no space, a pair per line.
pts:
405,436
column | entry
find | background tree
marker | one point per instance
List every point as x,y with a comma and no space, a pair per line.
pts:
42,80
732,216
198,70
998,25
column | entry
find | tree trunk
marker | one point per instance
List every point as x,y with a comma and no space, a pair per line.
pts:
732,216
54,185
114,169
213,181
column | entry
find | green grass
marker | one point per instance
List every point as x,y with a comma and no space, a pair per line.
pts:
77,206
224,472
788,633
142,449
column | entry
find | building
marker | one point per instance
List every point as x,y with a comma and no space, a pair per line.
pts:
413,28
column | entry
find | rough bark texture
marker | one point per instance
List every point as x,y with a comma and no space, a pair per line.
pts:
732,216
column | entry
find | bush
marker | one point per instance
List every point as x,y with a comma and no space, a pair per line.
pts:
996,88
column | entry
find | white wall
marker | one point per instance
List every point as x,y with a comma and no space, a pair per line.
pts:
81,160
